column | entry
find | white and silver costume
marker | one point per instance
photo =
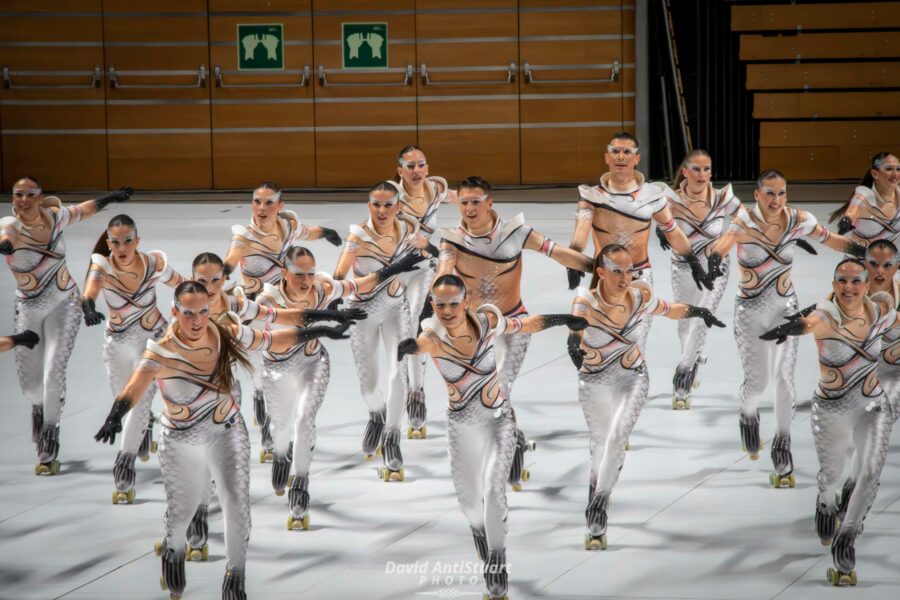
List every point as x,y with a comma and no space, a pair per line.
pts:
874,223
481,432
625,218
203,432
418,285
47,302
702,235
134,320
612,389
294,382
387,324
765,299
849,404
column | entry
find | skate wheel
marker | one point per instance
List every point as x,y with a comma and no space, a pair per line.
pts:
702,359
154,446
54,467
157,549
696,383
367,456
526,475
162,584
592,543
678,404
415,434
255,422
279,492
517,487
266,456
627,445
396,475
792,481
852,578
145,457
378,451
530,446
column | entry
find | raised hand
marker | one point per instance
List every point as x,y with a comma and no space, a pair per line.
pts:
120,195
331,236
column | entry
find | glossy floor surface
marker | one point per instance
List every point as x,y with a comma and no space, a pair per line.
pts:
692,516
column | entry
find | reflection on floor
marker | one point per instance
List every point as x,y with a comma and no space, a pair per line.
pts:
692,517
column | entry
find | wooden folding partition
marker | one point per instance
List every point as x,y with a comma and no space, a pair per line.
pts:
157,57
52,104
577,87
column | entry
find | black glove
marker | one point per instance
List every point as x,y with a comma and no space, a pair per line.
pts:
120,195
856,250
427,309
794,326
845,225
91,316
700,277
407,346
404,265
573,345
806,246
227,270
331,236
113,423
27,338
335,304
714,267
349,314
338,332
571,321
663,242
574,277
6,247
703,313
431,250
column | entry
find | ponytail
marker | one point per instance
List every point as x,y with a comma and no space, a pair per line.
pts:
867,181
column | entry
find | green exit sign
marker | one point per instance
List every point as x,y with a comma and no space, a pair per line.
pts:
365,45
261,46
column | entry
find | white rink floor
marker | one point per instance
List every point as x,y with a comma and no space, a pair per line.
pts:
692,516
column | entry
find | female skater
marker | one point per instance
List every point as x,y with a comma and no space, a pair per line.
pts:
295,380
420,197
127,278
380,242
47,302
849,403
765,237
202,424
259,249
612,376
703,213
481,427
873,212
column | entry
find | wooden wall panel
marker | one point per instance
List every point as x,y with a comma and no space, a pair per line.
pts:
822,75
844,15
874,44
817,162
815,105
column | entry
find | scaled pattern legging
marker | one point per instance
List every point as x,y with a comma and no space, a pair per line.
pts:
417,288
186,456
55,316
692,332
765,362
481,442
294,390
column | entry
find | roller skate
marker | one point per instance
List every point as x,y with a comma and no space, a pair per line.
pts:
750,442
267,452
48,450
783,462
844,557
683,382
281,466
843,498
298,498
826,523
233,586
173,578
415,412
393,459
481,545
595,537
259,408
123,473
37,422
197,535
495,577
372,436
148,444
517,471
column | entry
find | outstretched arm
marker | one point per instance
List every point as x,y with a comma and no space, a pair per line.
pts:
133,390
446,259
536,323
420,345
837,242
677,312
584,216
797,324
27,338
564,256
345,260
672,232
329,235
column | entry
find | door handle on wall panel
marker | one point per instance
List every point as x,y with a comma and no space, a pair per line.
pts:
96,79
613,76
220,80
510,78
200,73
323,81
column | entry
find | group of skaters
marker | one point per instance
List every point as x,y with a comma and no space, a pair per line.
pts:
398,298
